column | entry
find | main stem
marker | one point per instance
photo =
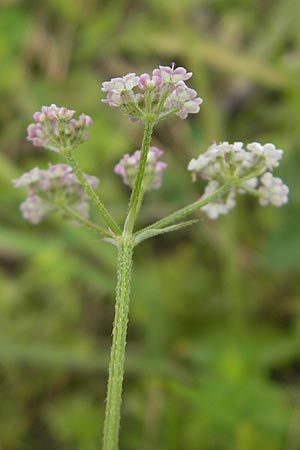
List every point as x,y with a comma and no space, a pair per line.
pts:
117,357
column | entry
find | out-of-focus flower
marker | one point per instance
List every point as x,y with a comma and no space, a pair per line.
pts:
268,152
52,188
273,190
244,167
56,129
220,205
225,160
34,208
155,97
128,165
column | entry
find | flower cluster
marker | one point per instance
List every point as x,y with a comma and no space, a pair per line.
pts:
128,165
220,205
52,188
247,168
56,129
153,97
272,190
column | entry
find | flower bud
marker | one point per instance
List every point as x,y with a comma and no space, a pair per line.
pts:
56,129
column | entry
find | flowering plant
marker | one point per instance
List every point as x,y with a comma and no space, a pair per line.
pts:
229,169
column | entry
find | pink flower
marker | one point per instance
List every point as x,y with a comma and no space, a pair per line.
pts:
47,189
34,208
128,165
56,128
120,84
156,97
146,81
184,100
172,75
28,178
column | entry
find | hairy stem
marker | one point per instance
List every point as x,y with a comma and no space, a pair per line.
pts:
117,357
101,232
137,192
189,209
92,194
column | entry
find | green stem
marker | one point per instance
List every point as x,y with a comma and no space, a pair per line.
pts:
137,192
117,357
92,194
85,222
189,209
254,192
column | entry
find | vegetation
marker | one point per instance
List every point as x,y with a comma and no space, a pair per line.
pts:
213,359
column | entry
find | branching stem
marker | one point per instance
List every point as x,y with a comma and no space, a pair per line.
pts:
91,193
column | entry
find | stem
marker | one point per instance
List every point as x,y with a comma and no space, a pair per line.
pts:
85,222
189,209
92,194
254,192
137,192
117,357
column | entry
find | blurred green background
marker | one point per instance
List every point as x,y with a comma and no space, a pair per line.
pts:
213,355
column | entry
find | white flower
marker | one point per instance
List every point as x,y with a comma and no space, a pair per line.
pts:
219,206
268,152
119,84
223,160
273,190
248,184
244,168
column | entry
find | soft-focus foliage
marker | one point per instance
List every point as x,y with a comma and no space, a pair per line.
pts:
213,347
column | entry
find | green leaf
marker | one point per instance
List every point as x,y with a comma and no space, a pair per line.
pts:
147,234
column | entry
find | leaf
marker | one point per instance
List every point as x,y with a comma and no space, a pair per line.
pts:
147,234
